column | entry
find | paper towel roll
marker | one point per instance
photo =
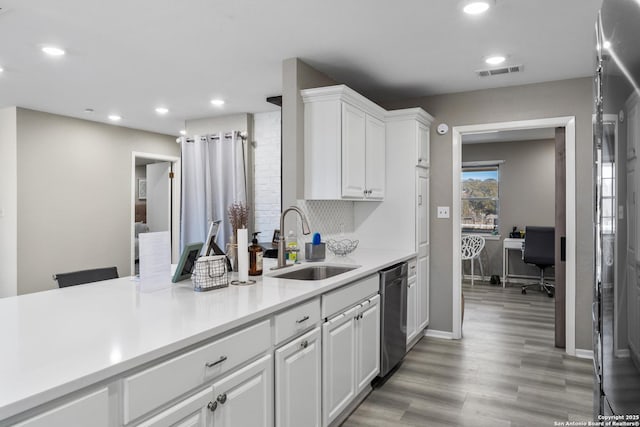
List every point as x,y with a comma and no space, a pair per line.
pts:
243,255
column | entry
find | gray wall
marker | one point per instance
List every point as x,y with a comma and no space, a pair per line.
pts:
74,194
551,99
8,203
527,193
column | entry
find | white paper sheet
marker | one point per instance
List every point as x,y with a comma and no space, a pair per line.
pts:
155,261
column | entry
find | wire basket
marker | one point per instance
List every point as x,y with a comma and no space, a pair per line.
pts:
210,273
342,247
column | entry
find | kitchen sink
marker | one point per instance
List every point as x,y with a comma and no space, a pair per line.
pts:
314,272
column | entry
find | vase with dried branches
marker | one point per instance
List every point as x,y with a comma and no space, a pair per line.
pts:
238,217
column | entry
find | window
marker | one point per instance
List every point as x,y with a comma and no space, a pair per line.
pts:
480,199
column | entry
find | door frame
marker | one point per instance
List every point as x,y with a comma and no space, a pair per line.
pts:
176,164
569,123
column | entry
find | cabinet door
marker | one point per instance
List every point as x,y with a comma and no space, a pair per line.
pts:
299,381
338,364
375,158
191,412
89,410
368,342
422,217
422,293
412,307
422,145
245,397
353,151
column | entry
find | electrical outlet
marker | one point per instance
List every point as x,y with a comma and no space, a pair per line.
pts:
443,211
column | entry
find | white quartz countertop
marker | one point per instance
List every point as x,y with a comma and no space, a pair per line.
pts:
59,341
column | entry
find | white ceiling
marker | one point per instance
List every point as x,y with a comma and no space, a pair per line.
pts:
128,57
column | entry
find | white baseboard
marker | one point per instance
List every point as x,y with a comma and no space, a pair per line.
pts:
438,334
584,354
623,353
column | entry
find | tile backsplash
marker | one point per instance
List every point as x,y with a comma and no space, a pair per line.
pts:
330,218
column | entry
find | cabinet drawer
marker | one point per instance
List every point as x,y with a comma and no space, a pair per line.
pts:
412,267
345,297
89,410
296,320
161,383
192,411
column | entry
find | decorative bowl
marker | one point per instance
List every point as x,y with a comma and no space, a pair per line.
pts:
342,247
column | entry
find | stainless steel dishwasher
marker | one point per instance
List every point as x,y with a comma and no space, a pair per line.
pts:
393,300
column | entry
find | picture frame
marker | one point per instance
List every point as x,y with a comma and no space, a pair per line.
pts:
187,261
142,189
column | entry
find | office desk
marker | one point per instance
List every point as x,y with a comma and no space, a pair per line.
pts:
509,244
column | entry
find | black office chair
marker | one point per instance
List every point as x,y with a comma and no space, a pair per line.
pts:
539,249
85,276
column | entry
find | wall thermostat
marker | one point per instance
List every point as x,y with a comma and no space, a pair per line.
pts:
442,128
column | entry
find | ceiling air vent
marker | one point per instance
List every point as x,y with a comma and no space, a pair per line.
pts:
498,71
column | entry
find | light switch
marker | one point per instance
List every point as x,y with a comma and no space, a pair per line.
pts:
443,211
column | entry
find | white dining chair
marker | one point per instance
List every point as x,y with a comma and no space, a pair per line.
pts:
472,245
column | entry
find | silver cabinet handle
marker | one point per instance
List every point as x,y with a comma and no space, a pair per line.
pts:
304,344
304,319
212,364
212,406
222,398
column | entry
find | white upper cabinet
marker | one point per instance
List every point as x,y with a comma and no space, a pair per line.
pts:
422,145
344,145
375,158
354,125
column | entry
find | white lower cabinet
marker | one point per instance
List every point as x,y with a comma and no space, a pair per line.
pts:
88,410
412,310
298,382
350,356
368,342
245,397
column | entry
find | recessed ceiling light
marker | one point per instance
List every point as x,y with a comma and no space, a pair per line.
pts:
183,132
53,51
476,7
217,102
162,110
495,60
115,118
1,69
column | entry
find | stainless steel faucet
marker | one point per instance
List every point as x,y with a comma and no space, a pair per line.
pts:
282,244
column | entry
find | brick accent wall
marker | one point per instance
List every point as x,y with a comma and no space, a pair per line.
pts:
267,173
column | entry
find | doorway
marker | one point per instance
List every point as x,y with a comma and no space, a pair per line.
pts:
155,200
569,124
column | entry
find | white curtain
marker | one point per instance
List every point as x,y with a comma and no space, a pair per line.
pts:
213,177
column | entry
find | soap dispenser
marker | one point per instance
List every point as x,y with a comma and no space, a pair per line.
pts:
255,256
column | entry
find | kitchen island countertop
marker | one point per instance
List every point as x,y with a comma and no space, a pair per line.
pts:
59,341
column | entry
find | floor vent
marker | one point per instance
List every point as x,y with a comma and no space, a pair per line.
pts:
498,71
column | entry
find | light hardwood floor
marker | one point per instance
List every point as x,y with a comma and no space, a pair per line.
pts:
504,372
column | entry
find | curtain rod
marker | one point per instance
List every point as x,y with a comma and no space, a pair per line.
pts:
216,136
